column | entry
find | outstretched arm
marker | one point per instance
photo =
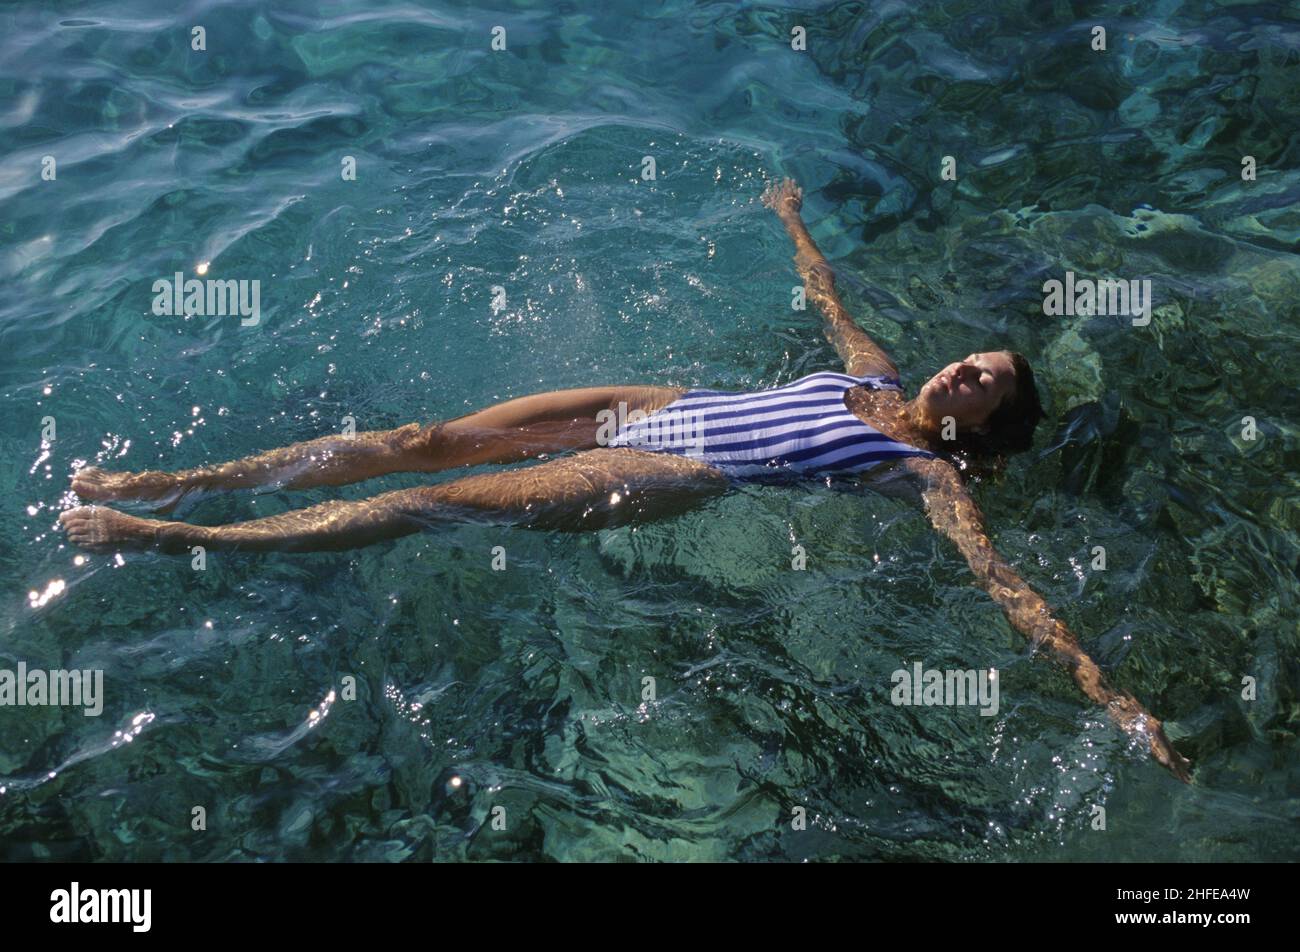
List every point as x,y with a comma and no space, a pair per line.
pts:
954,513
862,356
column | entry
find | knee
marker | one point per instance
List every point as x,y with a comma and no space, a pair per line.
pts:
417,439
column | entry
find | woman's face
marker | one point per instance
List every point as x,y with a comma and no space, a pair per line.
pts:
969,390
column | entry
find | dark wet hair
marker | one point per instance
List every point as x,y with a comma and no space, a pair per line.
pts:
1010,428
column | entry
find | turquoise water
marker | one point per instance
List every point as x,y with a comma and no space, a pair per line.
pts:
521,169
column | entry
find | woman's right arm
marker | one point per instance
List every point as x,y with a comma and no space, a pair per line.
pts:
954,513
862,356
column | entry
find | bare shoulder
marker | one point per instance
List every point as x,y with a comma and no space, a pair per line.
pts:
916,479
870,400
871,364
935,475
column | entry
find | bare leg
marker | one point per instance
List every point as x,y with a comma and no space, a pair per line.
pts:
590,490
508,432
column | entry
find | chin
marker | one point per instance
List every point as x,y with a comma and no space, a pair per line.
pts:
936,400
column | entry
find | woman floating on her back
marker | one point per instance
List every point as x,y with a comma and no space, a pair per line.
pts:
673,449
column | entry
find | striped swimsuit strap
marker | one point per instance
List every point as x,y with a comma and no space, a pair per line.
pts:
802,427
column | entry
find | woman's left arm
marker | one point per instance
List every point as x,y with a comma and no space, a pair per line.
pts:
954,513
862,356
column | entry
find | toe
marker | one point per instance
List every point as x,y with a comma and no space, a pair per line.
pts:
79,525
70,516
87,482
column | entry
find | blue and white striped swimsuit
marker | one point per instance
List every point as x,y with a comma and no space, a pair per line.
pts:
803,428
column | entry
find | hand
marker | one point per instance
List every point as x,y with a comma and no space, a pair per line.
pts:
1136,720
784,197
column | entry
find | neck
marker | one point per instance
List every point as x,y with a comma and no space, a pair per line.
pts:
913,415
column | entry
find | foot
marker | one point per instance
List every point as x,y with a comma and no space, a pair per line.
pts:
99,485
784,197
106,530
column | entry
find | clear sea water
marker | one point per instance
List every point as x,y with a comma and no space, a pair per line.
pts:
522,689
